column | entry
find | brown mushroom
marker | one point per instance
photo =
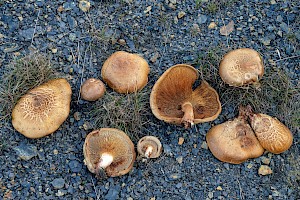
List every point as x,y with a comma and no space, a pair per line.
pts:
92,89
234,141
125,72
241,67
149,147
108,151
43,109
173,100
273,135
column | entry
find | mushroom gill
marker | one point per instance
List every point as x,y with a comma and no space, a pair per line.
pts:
173,100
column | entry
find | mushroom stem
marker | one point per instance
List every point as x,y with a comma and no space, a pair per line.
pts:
148,151
188,117
105,160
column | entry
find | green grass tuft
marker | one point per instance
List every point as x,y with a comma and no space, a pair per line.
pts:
128,113
20,76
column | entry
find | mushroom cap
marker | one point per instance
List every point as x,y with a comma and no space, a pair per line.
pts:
125,72
113,142
273,135
233,142
43,109
92,89
147,141
241,67
174,88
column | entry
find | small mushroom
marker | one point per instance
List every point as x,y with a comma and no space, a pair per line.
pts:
273,135
173,100
125,72
241,67
149,147
234,141
43,109
92,89
108,152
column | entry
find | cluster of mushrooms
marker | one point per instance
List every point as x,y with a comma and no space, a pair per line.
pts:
110,152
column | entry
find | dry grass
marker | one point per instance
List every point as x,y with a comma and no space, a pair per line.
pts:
277,96
20,76
128,113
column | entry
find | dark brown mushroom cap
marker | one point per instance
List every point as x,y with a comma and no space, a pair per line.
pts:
43,109
113,142
241,67
233,142
273,135
173,91
92,89
149,142
125,72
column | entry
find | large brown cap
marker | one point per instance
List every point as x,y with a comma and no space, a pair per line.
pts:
43,109
125,72
273,135
149,146
92,89
233,142
173,100
241,67
112,142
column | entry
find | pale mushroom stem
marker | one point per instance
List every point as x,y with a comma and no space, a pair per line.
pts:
105,160
148,151
188,117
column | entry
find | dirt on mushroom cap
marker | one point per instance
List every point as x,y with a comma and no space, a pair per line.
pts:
241,67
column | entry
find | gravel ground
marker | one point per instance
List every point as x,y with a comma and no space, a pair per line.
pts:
165,32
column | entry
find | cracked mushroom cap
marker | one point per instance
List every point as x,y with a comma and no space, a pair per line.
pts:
173,99
109,149
233,141
43,109
92,89
149,147
125,72
273,135
241,67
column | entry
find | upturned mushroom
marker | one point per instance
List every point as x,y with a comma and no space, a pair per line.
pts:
241,67
43,109
149,147
273,135
173,99
234,141
125,72
108,152
92,89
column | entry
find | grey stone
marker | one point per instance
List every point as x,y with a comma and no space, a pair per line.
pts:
112,193
284,27
27,34
58,183
69,5
202,19
26,151
75,166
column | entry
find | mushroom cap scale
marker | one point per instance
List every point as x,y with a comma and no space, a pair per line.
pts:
273,135
241,67
92,89
149,141
125,72
113,142
43,109
173,91
233,142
